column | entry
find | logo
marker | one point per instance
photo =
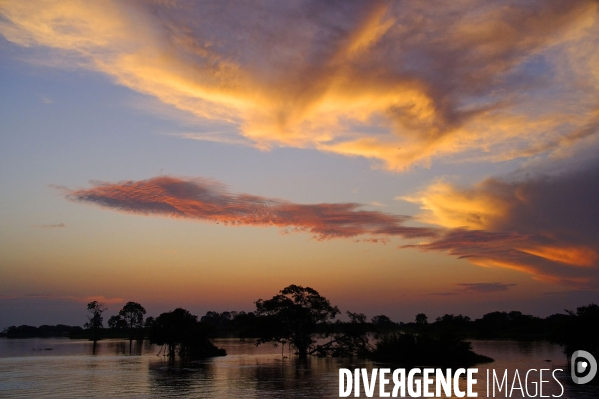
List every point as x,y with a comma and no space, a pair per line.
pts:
584,367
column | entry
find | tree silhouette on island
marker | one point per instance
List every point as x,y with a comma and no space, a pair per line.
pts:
294,316
301,315
183,335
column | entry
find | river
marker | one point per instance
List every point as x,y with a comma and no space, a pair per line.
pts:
65,368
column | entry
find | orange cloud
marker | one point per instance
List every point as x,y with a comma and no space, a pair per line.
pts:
400,83
545,226
577,256
447,206
546,254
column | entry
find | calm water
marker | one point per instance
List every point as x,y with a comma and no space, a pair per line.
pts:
64,368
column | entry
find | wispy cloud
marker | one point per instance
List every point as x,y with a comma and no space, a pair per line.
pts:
51,226
475,288
208,200
484,288
402,83
552,252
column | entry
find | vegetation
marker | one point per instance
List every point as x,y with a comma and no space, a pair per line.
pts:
232,324
579,330
294,316
116,322
181,333
133,316
44,331
426,349
305,320
95,320
348,339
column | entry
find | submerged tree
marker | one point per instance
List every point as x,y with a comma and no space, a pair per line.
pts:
426,349
95,320
296,315
182,334
133,315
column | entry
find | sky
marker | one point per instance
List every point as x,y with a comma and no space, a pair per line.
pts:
398,157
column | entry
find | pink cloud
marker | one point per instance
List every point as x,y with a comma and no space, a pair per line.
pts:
527,237
206,200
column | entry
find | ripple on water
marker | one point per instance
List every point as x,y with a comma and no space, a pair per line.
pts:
69,370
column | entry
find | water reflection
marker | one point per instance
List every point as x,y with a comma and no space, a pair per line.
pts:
70,370
133,348
171,378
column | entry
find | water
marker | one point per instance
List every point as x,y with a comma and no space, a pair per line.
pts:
64,368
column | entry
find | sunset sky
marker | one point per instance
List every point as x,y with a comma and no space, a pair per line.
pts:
398,157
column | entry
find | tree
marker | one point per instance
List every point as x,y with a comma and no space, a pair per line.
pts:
95,320
382,321
421,319
295,316
580,331
170,329
182,334
133,315
117,323
148,323
350,339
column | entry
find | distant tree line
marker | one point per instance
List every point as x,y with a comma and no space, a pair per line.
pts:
43,331
305,321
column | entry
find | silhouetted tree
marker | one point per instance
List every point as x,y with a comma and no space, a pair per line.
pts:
220,322
182,334
244,324
350,338
421,319
580,331
24,331
294,316
96,321
133,314
116,322
451,319
383,322
148,323
425,349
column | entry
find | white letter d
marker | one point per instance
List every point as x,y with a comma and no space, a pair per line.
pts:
343,373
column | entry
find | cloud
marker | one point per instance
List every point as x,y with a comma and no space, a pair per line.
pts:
52,226
553,243
544,225
484,288
476,288
401,83
208,200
